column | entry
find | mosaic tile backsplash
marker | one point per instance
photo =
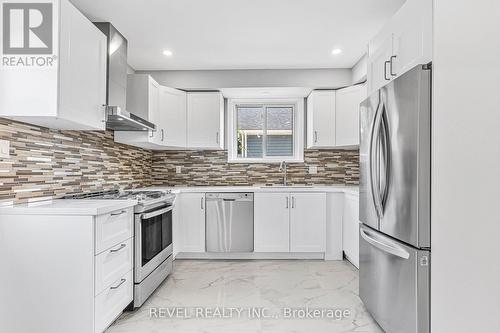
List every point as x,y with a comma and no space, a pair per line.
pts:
47,163
210,168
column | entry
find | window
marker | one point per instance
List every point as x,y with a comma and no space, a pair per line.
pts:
265,130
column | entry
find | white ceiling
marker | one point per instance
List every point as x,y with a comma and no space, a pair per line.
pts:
243,34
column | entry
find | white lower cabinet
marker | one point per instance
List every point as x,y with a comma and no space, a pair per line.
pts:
111,302
272,222
192,222
74,271
289,222
307,222
111,264
350,228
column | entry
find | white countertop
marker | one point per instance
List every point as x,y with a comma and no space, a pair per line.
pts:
67,207
193,189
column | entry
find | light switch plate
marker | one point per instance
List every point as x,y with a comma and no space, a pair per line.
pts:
313,169
178,169
4,149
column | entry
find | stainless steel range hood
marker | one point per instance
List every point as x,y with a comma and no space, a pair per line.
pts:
117,118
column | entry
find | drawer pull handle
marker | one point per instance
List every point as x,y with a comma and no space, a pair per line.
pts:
118,249
119,284
120,213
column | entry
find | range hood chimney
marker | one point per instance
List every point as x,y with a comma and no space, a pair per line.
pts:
117,118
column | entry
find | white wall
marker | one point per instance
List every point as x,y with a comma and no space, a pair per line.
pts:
359,70
465,278
215,79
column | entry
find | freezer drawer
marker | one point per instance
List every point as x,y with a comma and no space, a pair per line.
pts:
229,222
394,283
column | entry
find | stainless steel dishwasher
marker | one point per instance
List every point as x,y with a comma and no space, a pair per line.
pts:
229,222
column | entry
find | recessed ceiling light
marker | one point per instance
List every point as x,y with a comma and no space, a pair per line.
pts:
336,51
167,53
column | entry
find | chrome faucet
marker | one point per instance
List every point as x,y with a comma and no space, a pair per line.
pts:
283,168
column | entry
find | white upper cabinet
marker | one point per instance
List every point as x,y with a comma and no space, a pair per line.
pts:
347,115
403,43
205,120
173,117
143,100
321,119
379,71
65,88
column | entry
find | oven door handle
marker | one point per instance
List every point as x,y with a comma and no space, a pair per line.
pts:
156,213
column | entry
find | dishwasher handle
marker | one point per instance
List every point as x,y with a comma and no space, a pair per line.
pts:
229,197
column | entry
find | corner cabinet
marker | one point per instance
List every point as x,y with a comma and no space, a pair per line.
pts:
289,222
405,42
347,115
205,120
65,89
333,117
321,119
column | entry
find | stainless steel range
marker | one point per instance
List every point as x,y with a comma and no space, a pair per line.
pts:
153,236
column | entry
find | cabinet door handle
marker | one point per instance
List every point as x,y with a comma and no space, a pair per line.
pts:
120,213
151,133
293,202
119,284
122,246
315,136
217,137
385,70
201,203
390,67
286,205
162,134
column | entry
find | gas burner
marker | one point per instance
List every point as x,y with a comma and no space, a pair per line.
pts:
145,199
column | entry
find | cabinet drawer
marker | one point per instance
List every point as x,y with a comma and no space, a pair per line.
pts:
110,303
113,263
113,228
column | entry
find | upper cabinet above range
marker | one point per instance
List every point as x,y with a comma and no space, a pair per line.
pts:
404,42
62,83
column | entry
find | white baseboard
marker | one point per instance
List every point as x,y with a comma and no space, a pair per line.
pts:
249,256
331,256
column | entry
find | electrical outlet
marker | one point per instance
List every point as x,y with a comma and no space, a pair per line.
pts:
4,149
178,169
313,169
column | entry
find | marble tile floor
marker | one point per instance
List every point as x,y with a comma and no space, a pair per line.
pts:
264,296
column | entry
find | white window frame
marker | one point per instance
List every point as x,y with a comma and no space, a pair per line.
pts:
298,130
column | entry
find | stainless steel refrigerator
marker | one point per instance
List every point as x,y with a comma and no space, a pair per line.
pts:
394,203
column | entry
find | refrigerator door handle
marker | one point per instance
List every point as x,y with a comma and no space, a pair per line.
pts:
385,246
386,155
373,161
